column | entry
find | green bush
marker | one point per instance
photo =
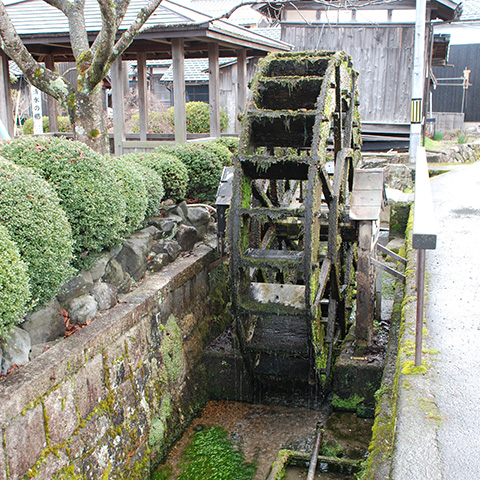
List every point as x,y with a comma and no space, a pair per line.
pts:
31,212
198,117
155,190
204,170
158,122
134,192
86,184
14,284
64,125
222,153
230,142
172,170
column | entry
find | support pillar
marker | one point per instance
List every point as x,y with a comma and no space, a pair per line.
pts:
142,94
364,315
214,89
51,102
242,85
118,95
418,79
178,64
6,104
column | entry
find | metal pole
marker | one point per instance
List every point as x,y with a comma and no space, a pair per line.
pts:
313,461
420,305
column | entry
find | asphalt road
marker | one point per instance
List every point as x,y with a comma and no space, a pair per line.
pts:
453,320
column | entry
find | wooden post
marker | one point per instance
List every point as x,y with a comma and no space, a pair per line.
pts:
51,102
118,106
214,89
178,63
6,104
142,94
364,315
242,84
418,79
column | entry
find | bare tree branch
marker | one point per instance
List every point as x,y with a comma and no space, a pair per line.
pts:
128,36
38,75
62,5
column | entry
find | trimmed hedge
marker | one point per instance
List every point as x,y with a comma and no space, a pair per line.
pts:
14,284
155,190
172,170
158,122
222,153
230,142
64,125
86,184
134,192
31,212
204,169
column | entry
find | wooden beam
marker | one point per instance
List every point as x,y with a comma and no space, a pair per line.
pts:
51,102
142,94
241,85
178,64
118,95
6,104
214,89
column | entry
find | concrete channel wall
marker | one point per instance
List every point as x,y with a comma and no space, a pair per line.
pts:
104,402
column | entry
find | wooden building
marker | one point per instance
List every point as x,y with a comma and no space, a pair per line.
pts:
378,37
172,32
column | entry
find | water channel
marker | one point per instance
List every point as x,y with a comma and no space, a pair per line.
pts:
259,431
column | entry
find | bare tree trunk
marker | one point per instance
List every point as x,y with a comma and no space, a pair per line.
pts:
89,120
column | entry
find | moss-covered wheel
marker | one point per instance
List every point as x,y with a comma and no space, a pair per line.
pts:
290,236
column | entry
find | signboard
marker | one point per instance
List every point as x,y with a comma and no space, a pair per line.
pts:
36,95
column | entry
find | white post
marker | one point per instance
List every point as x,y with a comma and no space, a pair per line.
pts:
214,89
37,113
418,79
178,63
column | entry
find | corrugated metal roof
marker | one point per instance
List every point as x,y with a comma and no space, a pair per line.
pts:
196,69
242,16
275,33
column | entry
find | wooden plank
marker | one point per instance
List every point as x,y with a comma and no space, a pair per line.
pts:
178,64
242,85
51,102
214,89
391,254
118,95
387,269
322,282
142,94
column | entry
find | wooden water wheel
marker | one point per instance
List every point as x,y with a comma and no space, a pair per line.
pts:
291,239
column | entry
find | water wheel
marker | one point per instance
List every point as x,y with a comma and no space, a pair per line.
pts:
290,236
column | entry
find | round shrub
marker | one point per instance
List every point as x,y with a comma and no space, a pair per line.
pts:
155,191
64,125
86,184
133,191
31,212
198,117
222,153
14,284
172,170
204,171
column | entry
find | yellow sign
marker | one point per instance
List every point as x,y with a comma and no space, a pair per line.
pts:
417,110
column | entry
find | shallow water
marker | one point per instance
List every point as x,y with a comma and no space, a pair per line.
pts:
298,473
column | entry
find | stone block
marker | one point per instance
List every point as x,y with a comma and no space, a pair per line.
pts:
46,324
98,269
138,341
157,261
52,464
154,232
16,349
3,469
75,287
133,256
200,218
115,275
83,309
25,440
170,247
89,386
186,237
105,295
61,413
93,431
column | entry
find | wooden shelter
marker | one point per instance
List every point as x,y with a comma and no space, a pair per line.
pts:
173,31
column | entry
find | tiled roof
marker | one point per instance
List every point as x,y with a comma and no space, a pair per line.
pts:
272,32
471,10
196,69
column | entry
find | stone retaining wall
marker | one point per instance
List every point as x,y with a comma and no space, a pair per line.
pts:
104,402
